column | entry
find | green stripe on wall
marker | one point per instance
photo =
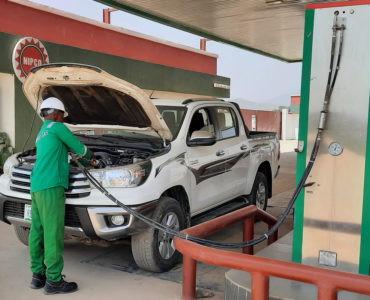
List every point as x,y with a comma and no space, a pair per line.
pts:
364,262
303,124
143,74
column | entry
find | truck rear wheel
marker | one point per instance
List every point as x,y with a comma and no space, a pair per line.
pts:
22,234
153,250
259,194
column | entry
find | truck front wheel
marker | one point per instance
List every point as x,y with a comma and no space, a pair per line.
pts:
22,234
153,250
259,194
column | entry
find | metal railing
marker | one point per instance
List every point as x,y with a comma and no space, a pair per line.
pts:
246,215
328,282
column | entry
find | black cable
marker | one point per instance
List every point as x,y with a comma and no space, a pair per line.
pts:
31,129
338,60
300,185
201,241
332,54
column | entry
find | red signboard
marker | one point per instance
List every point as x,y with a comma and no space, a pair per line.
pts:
28,53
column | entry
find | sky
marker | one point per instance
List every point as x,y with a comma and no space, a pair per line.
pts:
254,77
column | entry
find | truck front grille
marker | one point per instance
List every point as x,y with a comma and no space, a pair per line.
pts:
13,209
79,185
16,209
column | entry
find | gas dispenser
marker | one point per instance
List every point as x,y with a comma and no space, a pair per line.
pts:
332,213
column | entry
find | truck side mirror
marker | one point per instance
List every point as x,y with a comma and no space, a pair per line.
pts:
201,138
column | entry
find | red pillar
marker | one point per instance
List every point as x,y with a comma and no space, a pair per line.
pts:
106,14
272,238
326,292
189,273
260,286
248,234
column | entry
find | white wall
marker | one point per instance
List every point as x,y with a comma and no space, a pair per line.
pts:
7,107
289,125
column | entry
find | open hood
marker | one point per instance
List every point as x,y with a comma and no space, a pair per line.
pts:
92,96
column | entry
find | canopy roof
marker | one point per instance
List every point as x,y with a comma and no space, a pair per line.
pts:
270,27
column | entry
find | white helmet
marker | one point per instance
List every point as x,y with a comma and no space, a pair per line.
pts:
53,103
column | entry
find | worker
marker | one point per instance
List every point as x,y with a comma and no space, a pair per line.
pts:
49,179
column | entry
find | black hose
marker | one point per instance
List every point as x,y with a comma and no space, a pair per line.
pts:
20,158
201,241
329,89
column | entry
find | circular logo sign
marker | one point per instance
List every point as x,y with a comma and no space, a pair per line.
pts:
28,53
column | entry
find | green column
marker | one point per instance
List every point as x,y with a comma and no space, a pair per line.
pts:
303,124
364,262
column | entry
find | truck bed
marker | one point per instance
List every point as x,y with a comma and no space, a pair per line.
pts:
261,135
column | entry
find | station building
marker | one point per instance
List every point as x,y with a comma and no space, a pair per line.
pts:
32,34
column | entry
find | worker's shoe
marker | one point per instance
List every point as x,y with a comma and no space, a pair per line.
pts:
59,287
38,281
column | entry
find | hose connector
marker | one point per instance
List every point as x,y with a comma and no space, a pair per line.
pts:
322,121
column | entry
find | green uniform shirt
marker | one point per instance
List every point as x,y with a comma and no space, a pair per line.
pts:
51,168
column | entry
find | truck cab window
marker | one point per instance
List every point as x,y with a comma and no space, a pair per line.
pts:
201,121
226,122
173,116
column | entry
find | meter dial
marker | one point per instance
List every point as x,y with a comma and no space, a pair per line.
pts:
335,149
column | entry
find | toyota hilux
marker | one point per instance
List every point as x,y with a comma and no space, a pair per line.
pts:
175,161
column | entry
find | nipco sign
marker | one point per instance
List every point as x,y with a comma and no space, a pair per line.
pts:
28,53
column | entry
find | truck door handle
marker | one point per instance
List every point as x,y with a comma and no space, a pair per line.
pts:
220,152
243,147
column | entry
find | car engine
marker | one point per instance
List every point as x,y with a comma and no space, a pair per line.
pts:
103,157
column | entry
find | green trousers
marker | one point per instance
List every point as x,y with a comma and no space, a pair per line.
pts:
46,239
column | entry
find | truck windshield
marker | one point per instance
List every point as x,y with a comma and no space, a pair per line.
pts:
173,116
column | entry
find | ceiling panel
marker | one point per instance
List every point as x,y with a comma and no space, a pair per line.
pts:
270,27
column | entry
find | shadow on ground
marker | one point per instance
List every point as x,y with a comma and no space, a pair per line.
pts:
119,257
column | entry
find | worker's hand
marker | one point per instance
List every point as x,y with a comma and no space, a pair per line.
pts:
95,163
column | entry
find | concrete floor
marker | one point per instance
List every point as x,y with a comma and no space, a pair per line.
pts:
110,272
238,283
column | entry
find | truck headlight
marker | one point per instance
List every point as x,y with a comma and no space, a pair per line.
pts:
128,176
11,162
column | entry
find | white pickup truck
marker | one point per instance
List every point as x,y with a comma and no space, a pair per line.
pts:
175,161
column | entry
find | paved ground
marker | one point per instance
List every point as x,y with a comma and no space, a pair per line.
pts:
109,272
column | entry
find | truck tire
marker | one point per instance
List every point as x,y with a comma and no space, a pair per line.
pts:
259,194
153,250
22,234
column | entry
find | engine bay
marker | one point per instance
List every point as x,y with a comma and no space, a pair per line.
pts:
103,156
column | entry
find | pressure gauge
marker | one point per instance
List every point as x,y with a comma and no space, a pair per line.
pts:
335,149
